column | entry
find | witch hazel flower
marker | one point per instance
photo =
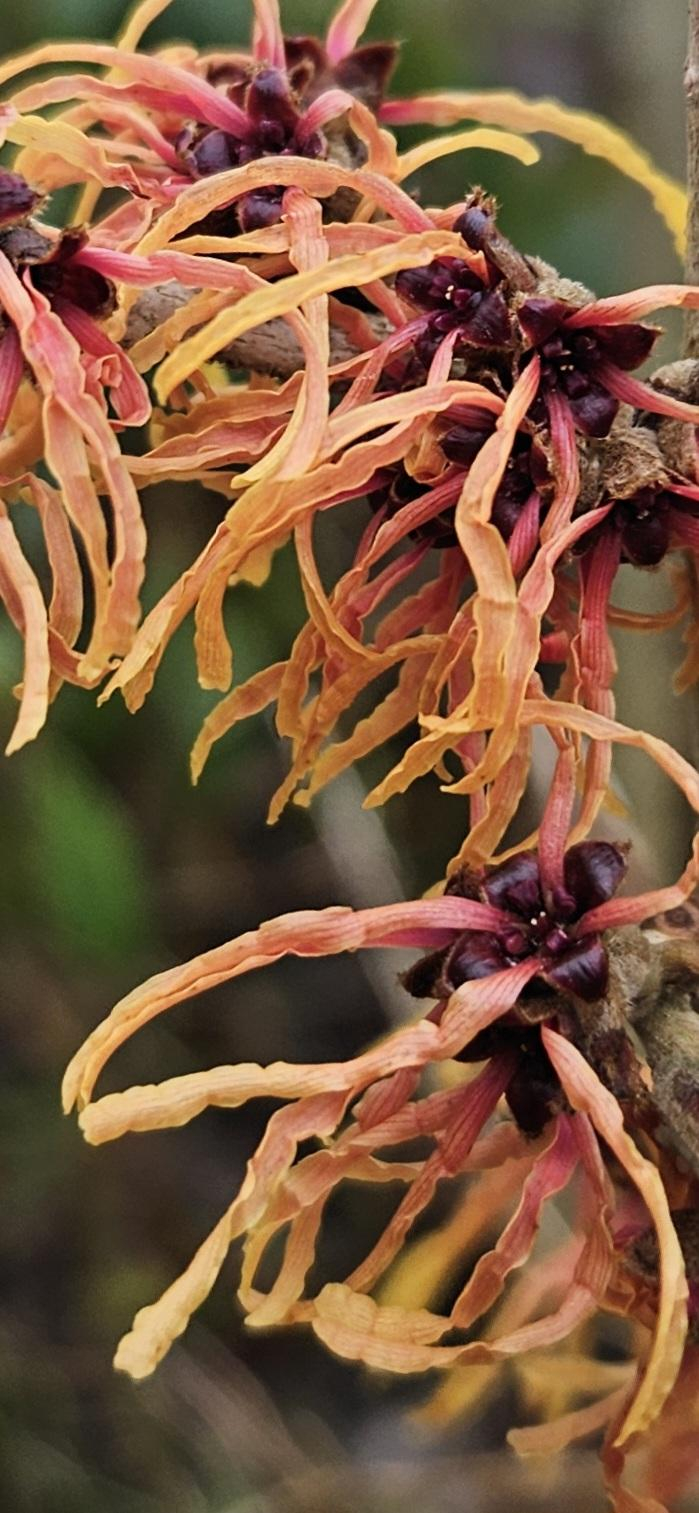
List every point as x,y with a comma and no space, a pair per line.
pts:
543,916
172,122
292,88
275,126
583,363
53,345
457,295
543,922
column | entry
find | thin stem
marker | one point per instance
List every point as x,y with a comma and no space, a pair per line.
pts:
691,88
691,327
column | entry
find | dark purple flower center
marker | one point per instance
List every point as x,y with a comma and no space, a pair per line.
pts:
54,273
274,129
539,926
572,360
454,298
526,470
645,523
526,467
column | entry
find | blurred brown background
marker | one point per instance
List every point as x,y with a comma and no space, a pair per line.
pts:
115,867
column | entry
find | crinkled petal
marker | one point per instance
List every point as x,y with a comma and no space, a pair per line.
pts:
18,580
288,294
509,109
586,1093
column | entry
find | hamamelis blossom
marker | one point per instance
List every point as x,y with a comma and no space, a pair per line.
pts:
583,364
566,1130
651,522
456,298
519,591
253,131
52,338
547,912
482,408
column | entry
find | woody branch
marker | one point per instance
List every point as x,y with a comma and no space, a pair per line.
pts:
691,86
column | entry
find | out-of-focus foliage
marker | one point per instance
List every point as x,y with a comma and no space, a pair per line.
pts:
114,867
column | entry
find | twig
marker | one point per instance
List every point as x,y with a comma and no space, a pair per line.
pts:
270,348
691,88
691,328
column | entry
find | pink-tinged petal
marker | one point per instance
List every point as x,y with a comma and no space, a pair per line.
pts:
31,614
326,107
525,535
124,226
617,308
595,649
267,38
155,1327
67,457
159,267
495,606
11,368
566,466
304,933
74,420
533,599
128,392
478,1101
632,911
587,1094
308,251
550,1439
686,490
555,824
317,178
551,1173
118,106
186,94
632,391
382,154
502,800
685,530
347,27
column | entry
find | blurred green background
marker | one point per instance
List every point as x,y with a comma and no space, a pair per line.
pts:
116,867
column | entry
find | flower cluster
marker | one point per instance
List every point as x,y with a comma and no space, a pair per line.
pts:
281,320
